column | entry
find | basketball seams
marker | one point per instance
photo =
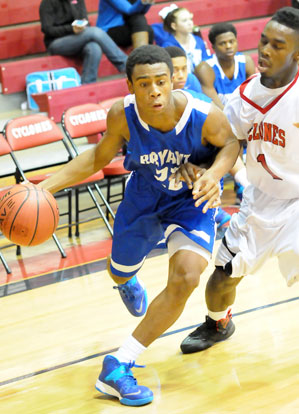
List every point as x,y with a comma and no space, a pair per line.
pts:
40,217
12,195
51,207
18,210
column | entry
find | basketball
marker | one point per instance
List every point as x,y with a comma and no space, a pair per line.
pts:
28,214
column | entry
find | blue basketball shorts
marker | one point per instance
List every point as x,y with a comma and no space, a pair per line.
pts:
146,215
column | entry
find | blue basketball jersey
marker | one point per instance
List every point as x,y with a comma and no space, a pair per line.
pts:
156,155
223,85
152,209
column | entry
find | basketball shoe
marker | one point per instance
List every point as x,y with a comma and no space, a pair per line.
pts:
208,333
116,379
222,218
134,296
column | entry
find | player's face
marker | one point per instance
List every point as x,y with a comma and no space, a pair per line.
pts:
278,52
152,87
183,22
226,46
180,72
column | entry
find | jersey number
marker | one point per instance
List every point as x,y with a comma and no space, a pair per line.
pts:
261,158
162,175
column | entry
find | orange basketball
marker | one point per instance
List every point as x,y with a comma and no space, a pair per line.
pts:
28,214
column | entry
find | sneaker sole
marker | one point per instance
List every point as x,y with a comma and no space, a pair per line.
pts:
107,390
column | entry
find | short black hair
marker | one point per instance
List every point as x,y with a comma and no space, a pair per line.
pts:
219,28
175,51
147,54
287,16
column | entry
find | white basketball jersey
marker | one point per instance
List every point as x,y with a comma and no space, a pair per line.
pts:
266,119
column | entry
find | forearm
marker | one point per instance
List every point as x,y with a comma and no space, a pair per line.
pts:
73,172
225,159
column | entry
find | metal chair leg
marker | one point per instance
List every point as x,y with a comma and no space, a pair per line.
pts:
58,244
7,268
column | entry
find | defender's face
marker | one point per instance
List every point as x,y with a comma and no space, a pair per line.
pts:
277,50
226,46
152,87
180,72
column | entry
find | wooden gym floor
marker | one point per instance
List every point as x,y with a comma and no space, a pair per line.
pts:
54,337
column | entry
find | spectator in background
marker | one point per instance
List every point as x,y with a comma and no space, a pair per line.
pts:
295,4
227,68
179,24
63,37
221,74
125,22
181,78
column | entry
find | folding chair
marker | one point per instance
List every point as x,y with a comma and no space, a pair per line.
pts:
29,132
83,121
41,130
115,172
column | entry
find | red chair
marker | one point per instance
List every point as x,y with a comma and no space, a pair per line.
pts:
79,122
35,135
115,172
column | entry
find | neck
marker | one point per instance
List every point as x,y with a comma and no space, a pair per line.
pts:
182,38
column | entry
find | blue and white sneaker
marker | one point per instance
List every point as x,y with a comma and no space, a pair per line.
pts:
116,379
134,296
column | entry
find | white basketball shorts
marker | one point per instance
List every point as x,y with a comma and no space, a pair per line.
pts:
263,228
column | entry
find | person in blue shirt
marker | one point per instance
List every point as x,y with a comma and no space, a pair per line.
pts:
163,129
179,24
221,74
125,22
226,69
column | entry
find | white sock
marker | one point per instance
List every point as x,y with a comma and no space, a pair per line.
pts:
218,315
130,350
241,177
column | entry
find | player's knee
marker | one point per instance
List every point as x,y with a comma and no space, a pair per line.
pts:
182,283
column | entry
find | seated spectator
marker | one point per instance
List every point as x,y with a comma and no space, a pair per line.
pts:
125,22
181,78
64,37
179,24
227,68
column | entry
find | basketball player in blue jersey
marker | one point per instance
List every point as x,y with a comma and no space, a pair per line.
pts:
264,112
163,129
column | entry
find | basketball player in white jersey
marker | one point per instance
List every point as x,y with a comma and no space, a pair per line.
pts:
264,110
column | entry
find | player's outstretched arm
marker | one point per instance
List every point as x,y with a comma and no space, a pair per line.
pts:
94,159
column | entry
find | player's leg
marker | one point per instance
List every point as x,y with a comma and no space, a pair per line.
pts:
185,268
131,290
116,377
